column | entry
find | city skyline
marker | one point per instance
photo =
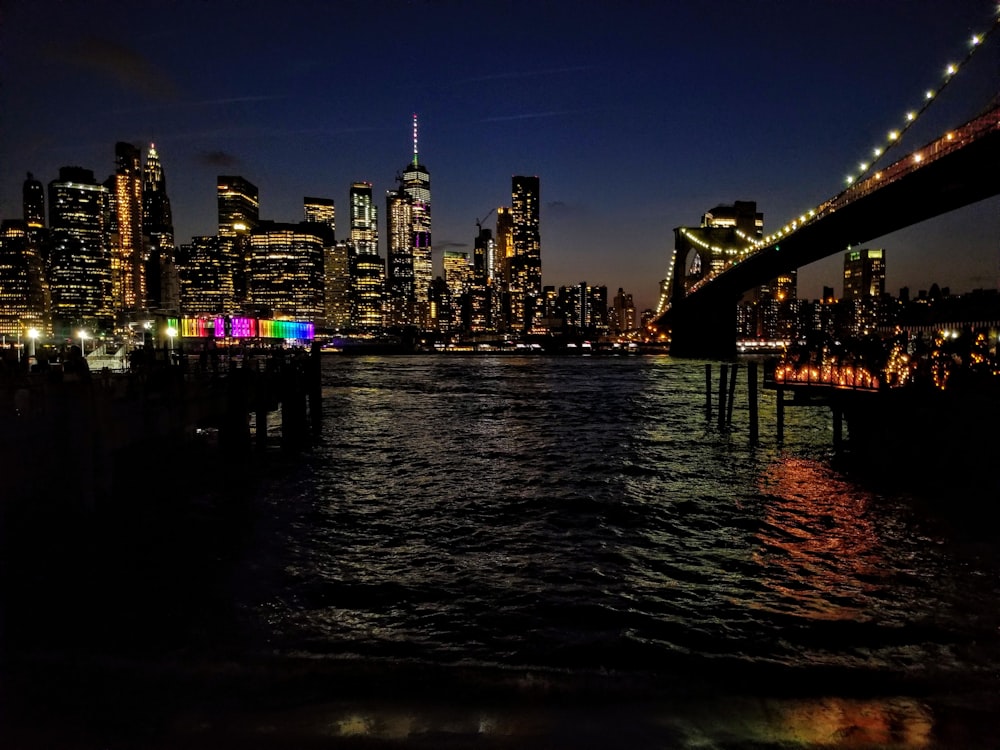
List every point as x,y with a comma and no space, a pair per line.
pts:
637,118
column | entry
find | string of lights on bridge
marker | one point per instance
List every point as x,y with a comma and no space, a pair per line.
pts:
894,137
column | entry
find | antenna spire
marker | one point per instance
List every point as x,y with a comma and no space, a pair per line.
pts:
415,162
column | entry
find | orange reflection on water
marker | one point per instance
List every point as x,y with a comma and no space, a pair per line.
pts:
819,549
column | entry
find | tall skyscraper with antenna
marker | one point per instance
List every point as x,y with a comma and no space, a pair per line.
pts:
416,183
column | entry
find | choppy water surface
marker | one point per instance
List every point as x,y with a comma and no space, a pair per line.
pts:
583,515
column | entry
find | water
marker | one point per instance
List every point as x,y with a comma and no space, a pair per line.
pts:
511,528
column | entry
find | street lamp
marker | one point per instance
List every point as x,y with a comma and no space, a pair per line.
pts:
171,332
83,338
32,335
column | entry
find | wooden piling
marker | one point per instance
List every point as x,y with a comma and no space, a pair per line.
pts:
780,403
732,393
838,425
708,390
752,397
724,371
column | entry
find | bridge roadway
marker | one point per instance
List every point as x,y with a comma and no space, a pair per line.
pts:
702,324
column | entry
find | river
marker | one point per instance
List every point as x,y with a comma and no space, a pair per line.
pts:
568,551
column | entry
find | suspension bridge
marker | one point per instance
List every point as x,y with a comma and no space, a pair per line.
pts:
957,169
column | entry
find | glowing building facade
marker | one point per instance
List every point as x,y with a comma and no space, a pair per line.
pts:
526,265
286,271
80,276
24,293
367,269
239,213
128,257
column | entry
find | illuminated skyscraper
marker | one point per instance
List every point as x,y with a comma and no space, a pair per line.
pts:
128,260
158,227
416,183
864,288
286,271
623,310
239,212
408,222
206,279
321,211
367,269
24,298
80,278
505,260
337,286
526,265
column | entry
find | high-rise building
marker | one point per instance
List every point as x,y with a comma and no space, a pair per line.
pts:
623,312
321,211
408,223
80,278
480,311
162,284
367,269
33,198
337,286
526,265
416,183
864,273
864,288
24,293
286,271
239,213
401,307
206,279
128,257
505,259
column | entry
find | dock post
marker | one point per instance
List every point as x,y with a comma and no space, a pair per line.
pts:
315,387
262,384
708,390
752,396
780,403
722,394
838,425
732,393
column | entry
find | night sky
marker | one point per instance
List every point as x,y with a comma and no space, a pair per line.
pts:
636,116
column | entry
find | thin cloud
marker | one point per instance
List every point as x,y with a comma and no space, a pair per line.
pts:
524,74
218,159
526,116
129,68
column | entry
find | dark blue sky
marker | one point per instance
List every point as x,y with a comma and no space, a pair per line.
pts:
636,116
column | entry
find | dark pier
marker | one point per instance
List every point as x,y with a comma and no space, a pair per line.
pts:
165,418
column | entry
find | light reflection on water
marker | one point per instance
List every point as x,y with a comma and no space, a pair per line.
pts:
584,515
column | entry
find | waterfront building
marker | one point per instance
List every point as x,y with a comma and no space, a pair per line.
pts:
505,258
24,292
622,313
583,308
206,279
401,305
366,267
80,276
864,288
162,283
128,258
526,265
239,213
286,271
483,300
459,277
337,285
